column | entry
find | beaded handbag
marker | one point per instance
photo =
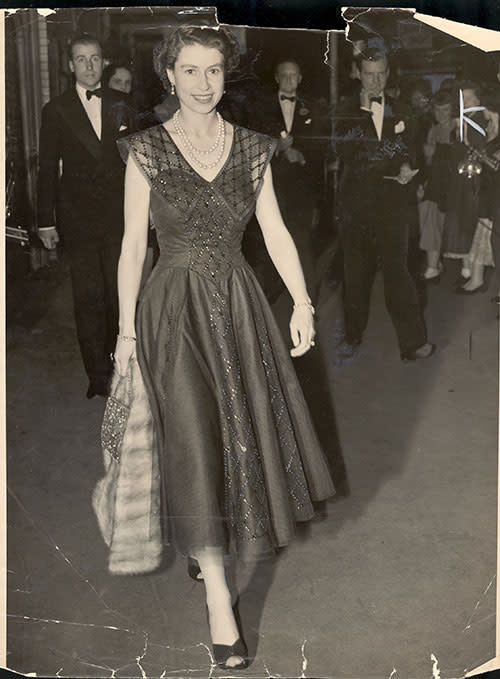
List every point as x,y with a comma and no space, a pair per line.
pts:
116,413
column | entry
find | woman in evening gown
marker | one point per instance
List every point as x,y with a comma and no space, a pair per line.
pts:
240,461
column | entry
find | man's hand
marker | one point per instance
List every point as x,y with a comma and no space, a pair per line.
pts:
365,97
49,237
284,143
406,174
295,156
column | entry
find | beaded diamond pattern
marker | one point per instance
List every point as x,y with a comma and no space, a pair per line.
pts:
246,497
113,426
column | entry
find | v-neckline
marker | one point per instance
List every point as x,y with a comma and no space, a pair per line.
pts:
191,167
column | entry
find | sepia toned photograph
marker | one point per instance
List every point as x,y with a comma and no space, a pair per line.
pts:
252,311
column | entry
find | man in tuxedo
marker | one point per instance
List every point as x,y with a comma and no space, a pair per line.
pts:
374,138
80,197
296,165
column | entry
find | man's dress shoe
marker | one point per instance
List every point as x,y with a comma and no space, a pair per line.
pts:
346,351
425,351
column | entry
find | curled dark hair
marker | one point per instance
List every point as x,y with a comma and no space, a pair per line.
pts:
166,53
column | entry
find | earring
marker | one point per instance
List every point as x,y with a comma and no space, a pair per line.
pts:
172,88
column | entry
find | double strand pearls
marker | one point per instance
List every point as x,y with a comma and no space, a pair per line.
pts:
195,153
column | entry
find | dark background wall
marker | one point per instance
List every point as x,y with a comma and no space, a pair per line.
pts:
321,14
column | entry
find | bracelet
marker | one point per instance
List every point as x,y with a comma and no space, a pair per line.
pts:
308,304
126,338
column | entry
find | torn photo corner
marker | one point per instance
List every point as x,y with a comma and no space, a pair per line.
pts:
382,142
483,38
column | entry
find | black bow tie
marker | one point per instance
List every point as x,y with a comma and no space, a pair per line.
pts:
284,96
377,99
94,93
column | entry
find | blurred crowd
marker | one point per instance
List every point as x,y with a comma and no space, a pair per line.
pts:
458,188
457,155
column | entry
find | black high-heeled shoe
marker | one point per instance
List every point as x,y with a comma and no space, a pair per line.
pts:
194,570
239,649
222,654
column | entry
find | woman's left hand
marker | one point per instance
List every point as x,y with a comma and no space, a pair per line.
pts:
302,330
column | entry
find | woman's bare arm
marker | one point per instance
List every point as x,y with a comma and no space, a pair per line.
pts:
278,241
132,256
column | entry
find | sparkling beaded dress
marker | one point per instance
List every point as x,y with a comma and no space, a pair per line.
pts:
240,461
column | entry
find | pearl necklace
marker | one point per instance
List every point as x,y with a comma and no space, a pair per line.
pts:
194,152
182,131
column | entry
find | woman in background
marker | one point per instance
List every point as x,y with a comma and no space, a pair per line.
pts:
480,254
462,209
118,77
432,207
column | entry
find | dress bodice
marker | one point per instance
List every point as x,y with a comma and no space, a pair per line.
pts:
199,223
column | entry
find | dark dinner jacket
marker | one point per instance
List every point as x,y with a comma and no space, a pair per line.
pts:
365,159
267,117
85,199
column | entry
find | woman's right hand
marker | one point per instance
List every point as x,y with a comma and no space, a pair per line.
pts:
302,329
124,351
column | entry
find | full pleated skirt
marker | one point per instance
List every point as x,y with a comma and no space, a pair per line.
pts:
239,458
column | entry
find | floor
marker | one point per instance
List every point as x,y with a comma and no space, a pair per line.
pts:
396,576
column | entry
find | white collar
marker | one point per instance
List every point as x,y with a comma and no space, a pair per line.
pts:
82,91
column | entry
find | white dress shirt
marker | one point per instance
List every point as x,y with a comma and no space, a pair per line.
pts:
92,108
377,111
288,111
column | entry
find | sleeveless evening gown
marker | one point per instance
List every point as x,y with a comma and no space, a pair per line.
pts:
240,461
